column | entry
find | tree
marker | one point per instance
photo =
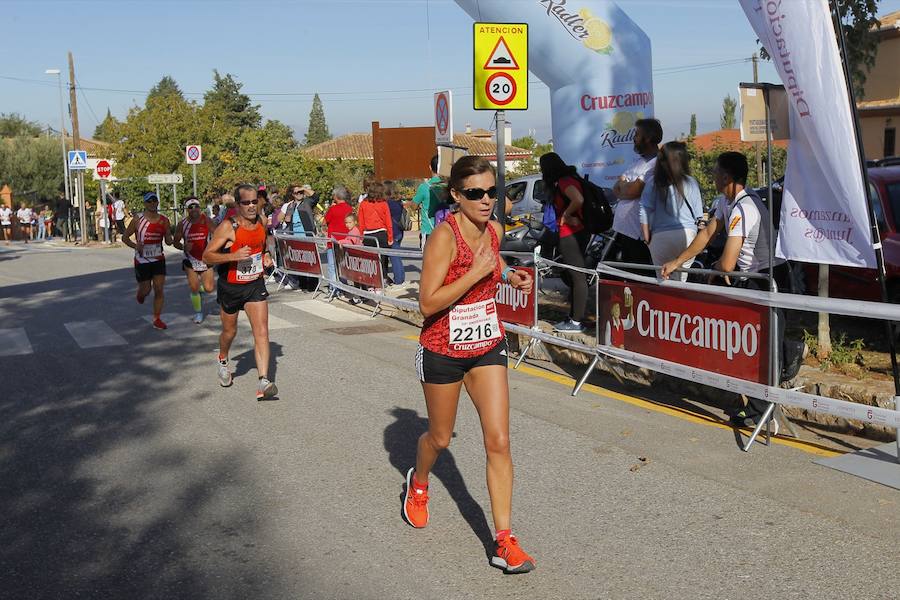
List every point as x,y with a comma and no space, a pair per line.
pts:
108,130
526,142
166,87
729,106
859,21
226,96
693,125
531,165
317,132
15,125
31,167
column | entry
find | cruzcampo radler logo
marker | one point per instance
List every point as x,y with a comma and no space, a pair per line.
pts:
599,33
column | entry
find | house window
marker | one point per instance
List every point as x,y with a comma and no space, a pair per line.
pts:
890,140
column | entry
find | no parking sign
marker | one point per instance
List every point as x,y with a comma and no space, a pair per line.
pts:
443,117
193,155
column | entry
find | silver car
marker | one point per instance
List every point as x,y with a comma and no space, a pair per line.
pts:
527,194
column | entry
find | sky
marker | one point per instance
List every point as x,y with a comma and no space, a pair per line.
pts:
369,60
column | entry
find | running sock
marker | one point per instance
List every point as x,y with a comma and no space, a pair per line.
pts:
502,534
195,301
223,359
418,485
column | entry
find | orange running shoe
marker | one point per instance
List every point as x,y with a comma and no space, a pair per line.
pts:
415,503
158,324
510,557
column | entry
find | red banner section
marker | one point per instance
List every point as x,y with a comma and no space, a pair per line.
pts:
359,266
693,329
299,256
515,306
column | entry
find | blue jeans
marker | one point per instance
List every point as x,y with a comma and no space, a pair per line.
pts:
330,261
397,265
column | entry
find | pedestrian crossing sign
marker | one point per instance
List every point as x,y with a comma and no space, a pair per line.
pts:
77,160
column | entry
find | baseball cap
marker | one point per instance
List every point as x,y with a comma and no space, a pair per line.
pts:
150,196
191,202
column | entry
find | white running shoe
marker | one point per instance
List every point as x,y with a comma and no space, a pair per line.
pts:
266,390
225,378
198,318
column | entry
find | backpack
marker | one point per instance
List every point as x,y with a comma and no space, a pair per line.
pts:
439,202
405,220
598,214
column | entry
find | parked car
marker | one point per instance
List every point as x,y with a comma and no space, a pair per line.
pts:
527,195
862,284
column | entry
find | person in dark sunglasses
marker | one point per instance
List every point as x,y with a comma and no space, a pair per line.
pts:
463,342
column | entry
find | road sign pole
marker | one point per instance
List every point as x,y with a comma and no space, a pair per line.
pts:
82,212
175,203
194,169
105,215
500,207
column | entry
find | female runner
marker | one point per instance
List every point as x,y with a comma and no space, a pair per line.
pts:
192,237
463,342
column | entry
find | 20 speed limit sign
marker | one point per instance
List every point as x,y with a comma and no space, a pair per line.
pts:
501,66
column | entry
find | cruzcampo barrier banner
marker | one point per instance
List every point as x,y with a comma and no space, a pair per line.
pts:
824,215
299,256
598,66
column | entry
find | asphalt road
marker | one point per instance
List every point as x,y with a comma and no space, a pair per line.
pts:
127,472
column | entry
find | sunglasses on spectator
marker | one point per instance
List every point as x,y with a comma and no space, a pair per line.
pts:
295,192
247,202
478,193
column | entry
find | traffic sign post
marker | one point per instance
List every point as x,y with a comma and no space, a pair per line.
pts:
500,67
78,160
193,154
103,171
443,118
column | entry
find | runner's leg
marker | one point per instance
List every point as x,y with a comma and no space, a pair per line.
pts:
144,288
159,281
229,330
209,281
488,387
258,314
441,401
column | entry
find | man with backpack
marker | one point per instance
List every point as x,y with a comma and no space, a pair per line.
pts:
430,195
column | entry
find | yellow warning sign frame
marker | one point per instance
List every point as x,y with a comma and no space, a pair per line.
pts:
500,85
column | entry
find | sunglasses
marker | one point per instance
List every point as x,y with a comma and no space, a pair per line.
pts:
247,202
478,193
150,200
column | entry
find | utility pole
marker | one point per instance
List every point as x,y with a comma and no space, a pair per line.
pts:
759,173
76,145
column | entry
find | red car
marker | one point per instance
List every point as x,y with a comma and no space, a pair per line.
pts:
862,284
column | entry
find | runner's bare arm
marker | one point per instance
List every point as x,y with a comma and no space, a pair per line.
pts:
176,239
213,254
168,235
521,280
130,231
440,250
267,256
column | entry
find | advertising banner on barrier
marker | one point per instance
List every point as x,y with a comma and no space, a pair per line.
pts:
299,255
598,65
709,332
515,306
824,216
358,266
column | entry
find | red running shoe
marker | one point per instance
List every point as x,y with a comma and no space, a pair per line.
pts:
158,324
415,503
510,557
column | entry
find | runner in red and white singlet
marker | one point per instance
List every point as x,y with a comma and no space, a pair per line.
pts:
238,247
150,229
462,342
192,237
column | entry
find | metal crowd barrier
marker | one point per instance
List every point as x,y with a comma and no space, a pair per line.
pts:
600,352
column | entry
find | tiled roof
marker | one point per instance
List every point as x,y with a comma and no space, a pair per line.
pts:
876,104
890,21
726,139
358,146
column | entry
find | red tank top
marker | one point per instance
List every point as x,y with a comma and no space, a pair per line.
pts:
197,233
436,335
151,235
251,268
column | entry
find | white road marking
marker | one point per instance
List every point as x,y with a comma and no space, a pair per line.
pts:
14,342
328,311
94,334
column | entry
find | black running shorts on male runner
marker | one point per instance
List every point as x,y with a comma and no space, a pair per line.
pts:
233,296
437,368
147,271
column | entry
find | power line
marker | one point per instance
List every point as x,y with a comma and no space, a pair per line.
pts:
88,102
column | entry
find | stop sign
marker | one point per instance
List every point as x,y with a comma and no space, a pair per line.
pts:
104,169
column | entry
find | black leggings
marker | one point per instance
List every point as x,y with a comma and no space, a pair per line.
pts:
382,238
571,251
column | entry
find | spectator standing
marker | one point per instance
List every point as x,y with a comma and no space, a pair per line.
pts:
119,215
25,216
47,218
336,222
563,188
629,240
671,206
423,198
354,238
395,205
375,220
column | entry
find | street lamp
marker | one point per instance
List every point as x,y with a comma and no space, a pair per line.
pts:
62,138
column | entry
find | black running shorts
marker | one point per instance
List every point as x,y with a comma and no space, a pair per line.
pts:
147,271
233,296
437,368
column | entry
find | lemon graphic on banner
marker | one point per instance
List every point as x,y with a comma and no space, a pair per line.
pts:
622,121
599,33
